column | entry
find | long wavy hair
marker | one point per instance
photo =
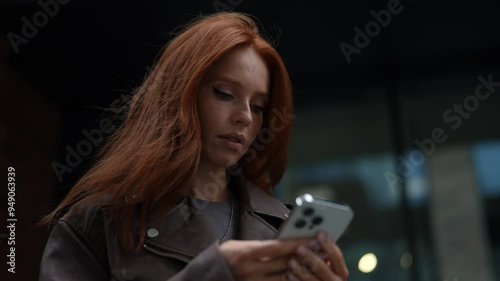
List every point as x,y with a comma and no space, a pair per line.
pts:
146,167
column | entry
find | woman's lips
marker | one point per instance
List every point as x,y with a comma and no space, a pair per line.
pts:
232,143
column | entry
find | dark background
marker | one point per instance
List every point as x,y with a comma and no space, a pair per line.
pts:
90,53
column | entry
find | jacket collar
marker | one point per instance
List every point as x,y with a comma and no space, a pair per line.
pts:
256,199
186,231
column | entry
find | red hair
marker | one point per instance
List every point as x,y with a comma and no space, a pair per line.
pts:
148,164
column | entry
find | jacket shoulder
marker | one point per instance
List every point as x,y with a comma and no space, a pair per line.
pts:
76,245
89,224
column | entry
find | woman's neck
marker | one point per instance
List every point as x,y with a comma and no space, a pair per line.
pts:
210,184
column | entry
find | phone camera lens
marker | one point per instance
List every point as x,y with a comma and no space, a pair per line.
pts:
300,223
308,211
317,220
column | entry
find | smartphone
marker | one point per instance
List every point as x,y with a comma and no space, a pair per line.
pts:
312,214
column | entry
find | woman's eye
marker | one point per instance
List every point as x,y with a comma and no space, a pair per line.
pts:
257,108
222,95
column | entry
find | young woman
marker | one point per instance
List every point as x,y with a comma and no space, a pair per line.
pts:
183,189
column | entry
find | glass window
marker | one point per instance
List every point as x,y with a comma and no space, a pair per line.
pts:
486,162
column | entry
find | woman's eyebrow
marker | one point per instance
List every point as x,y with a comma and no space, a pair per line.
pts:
264,96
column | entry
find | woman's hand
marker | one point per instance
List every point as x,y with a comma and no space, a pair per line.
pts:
322,260
316,259
266,260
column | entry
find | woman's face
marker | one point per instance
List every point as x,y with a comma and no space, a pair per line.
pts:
231,99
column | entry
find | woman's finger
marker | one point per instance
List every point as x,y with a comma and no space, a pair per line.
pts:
286,276
267,267
337,262
289,276
260,260
273,248
311,267
298,269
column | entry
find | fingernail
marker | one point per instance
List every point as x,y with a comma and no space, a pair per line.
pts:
301,251
294,264
322,255
314,245
290,276
322,237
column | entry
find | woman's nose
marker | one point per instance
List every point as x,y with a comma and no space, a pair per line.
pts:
242,115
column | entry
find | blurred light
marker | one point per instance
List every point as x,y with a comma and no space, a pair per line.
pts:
367,263
306,197
406,260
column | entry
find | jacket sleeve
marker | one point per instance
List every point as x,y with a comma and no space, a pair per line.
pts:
68,257
208,265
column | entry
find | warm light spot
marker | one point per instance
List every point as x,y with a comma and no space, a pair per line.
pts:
406,260
367,263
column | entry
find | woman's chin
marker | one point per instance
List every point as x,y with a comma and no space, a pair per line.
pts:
231,163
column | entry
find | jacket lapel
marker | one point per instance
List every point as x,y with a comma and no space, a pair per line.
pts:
183,234
186,231
261,214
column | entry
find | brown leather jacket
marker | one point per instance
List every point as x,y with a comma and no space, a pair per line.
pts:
184,247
